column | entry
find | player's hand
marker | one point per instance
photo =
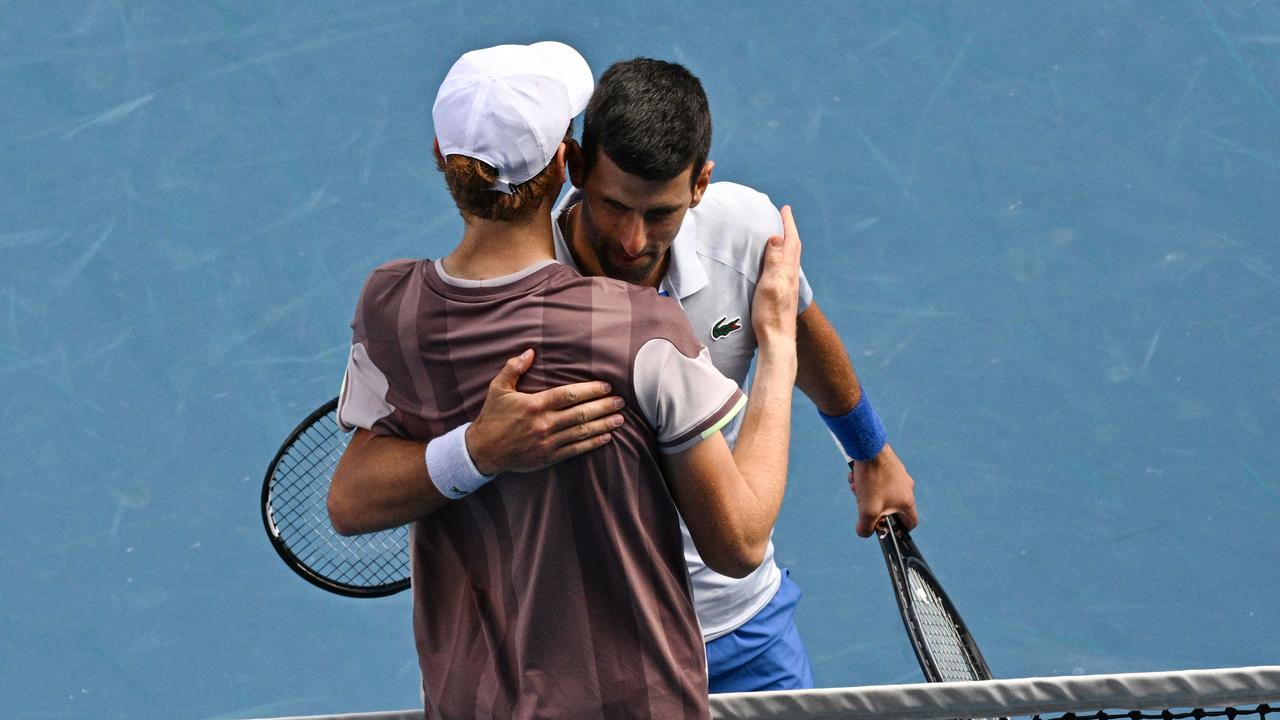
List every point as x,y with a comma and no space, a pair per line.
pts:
773,308
883,487
522,432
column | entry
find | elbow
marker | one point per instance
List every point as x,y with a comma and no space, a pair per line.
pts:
342,523
739,559
342,512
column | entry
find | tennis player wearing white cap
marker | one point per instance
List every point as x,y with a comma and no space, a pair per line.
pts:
561,592
645,210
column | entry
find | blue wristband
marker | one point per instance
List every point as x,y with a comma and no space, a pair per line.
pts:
859,432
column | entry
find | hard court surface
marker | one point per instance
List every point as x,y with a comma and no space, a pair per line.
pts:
1047,232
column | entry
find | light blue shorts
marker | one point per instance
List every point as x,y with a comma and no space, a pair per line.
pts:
766,653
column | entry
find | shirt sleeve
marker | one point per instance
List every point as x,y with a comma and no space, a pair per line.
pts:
685,399
735,223
769,216
363,398
362,401
806,294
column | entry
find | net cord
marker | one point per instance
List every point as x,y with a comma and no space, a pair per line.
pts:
1228,687
1023,696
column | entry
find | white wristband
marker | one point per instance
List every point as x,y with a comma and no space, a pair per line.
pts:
450,466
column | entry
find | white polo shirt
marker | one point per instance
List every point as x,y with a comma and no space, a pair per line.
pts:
714,267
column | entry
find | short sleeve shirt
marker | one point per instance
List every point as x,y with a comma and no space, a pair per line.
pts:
714,267
561,593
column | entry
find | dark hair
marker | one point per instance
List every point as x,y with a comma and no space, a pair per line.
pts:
650,117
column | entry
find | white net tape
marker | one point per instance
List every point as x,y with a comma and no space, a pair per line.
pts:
1006,698
1231,687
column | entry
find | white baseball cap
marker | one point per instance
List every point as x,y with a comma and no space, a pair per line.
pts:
510,105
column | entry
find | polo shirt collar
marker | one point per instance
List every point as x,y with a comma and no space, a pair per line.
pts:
685,273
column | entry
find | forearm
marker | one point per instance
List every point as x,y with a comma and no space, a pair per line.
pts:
765,436
730,509
878,478
730,499
381,482
761,452
824,372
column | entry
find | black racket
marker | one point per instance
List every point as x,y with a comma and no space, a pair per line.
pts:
295,512
943,645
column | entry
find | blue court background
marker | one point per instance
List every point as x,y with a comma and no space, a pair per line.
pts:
1046,230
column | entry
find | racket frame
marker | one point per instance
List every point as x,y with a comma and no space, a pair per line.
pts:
282,548
900,553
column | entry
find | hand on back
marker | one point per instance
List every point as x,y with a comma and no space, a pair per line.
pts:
523,432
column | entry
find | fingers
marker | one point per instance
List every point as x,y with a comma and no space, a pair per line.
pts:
866,524
511,371
582,414
586,431
789,231
790,241
773,313
784,248
874,504
910,517
577,448
567,396
782,255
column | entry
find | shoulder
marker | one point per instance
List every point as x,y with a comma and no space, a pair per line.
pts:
649,315
382,294
734,222
737,210
389,275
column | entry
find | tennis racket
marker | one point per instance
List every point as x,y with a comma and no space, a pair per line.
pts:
943,645
295,512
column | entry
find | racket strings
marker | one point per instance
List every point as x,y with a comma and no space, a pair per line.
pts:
938,628
300,513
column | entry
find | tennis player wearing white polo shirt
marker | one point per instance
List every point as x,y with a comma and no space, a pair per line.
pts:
646,212
712,269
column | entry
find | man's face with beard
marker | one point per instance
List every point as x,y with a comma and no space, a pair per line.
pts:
628,222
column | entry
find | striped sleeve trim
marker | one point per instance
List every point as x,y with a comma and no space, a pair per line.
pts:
712,425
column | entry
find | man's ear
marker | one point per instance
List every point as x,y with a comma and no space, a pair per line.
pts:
435,148
700,185
558,164
577,165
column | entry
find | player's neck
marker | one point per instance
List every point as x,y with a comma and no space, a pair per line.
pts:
491,248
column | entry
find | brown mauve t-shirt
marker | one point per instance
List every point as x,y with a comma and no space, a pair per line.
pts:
561,593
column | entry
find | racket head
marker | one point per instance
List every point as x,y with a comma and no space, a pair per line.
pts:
943,645
295,514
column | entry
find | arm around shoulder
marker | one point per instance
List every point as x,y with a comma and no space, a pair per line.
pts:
380,482
384,481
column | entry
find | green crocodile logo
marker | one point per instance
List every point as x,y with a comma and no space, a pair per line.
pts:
725,327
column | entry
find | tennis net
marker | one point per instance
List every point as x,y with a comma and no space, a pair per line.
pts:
1250,693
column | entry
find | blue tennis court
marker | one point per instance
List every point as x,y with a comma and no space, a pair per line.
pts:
1046,231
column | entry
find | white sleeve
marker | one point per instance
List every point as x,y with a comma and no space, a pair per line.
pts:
739,221
685,399
363,399
806,294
